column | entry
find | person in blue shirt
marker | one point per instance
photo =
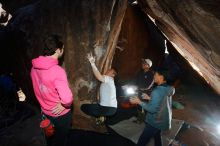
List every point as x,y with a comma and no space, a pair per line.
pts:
158,108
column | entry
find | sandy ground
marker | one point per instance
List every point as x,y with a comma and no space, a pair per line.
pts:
201,112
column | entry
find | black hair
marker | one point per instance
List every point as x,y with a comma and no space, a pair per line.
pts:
163,72
52,43
115,70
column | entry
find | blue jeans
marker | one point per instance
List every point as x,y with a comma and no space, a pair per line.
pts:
148,133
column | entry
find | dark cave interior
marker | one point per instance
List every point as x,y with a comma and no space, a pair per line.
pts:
132,36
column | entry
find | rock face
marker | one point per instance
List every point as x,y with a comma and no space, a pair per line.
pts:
192,26
86,26
135,42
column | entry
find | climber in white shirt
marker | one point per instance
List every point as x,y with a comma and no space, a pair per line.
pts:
107,105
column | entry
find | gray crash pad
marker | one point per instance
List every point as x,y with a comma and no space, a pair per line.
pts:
132,130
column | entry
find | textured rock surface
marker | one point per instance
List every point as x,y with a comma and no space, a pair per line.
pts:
193,27
86,26
135,42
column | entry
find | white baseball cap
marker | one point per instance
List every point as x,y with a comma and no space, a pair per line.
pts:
148,61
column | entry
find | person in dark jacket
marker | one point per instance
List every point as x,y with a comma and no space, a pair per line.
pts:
144,78
159,109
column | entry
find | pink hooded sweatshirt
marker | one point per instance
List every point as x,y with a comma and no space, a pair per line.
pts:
50,85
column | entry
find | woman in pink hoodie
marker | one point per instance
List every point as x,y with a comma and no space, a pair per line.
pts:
52,90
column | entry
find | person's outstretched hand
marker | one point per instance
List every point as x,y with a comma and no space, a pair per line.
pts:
145,96
91,58
58,109
135,100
